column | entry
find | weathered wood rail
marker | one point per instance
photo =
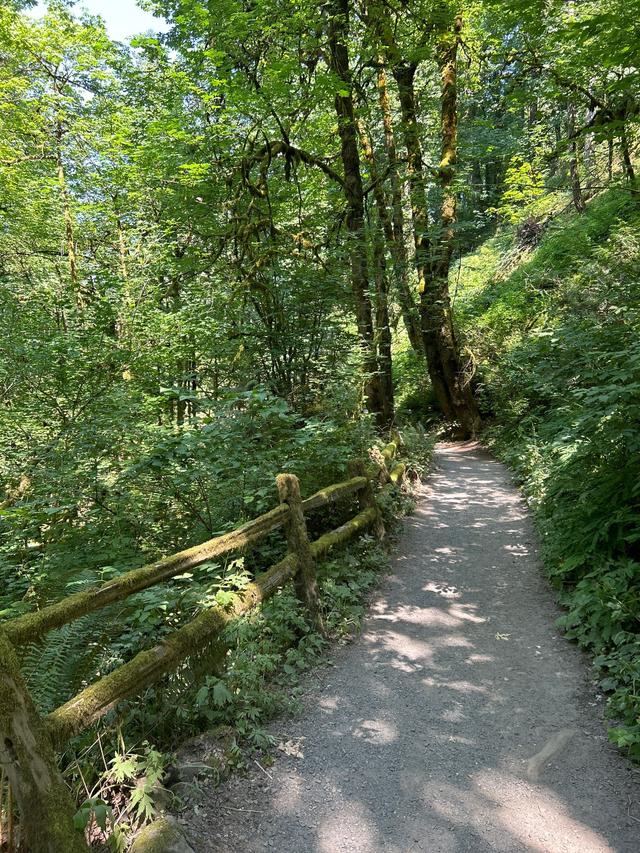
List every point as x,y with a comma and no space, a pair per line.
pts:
28,742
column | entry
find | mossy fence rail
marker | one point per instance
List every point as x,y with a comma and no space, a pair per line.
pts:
28,741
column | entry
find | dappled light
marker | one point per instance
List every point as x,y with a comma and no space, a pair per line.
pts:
453,723
261,266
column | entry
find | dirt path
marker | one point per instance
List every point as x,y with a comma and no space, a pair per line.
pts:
459,721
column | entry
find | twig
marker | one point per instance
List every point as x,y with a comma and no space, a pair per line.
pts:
234,809
266,773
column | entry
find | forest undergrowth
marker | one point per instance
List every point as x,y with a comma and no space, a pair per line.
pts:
555,328
118,768
256,242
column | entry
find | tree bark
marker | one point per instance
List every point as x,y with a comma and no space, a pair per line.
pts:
69,232
574,172
435,303
627,163
338,31
383,329
589,151
394,229
404,76
382,325
450,384
27,758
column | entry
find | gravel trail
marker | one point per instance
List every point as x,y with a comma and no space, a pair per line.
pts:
460,720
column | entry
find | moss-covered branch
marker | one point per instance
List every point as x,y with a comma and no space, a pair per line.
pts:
333,494
33,625
150,665
345,532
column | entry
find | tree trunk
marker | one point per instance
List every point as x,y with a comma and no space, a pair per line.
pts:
435,303
610,152
122,241
70,240
451,388
338,31
574,172
627,164
404,76
27,758
382,325
394,229
450,384
589,152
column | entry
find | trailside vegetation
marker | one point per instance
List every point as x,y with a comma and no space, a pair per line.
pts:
256,245
557,341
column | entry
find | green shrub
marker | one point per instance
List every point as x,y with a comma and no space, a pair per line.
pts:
560,354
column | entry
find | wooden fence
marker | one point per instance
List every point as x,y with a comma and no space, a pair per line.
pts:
28,741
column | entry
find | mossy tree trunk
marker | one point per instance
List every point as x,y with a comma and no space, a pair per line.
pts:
431,324
381,228
433,246
394,226
27,758
435,302
574,168
338,37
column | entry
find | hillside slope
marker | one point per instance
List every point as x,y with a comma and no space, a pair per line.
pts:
554,326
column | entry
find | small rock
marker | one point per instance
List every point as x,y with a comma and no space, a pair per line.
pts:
161,836
210,754
187,772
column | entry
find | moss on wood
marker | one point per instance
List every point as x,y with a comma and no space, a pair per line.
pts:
33,625
367,498
298,543
333,494
150,665
345,532
389,452
396,475
27,758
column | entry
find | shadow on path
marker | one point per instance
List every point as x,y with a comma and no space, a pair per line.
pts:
459,721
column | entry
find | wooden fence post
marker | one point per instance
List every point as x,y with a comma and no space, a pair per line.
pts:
298,543
28,760
366,497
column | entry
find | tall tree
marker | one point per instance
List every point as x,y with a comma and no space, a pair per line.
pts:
433,246
378,401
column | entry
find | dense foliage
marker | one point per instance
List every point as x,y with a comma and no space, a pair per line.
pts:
558,343
258,241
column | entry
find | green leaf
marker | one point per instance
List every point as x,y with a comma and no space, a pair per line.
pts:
221,695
